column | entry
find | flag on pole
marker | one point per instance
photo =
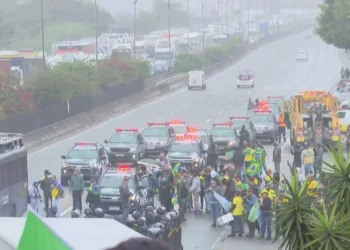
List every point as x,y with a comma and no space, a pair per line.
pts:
37,235
225,204
253,169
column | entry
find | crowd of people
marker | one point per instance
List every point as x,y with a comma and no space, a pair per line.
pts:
345,73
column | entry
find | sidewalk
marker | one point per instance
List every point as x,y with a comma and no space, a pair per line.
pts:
344,58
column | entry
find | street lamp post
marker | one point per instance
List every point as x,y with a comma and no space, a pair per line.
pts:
188,22
96,32
218,18
134,44
203,36
226,17
169,37
42,31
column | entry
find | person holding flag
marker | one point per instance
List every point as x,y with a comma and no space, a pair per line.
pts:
248,154
260,155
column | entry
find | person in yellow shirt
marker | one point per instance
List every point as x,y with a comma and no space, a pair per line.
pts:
238,213
270,193
269,177
248,154
56,194
312,186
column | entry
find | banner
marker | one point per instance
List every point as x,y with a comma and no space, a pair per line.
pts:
37,235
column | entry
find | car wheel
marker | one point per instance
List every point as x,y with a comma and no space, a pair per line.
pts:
253,85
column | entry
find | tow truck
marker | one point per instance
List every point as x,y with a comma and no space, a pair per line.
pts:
238,121
125,145
158,136
225,137
180,127
313,116
189,151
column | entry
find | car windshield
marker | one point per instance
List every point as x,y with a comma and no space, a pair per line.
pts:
184,147
341,114
275,108
237,124
114,181
244,77
155,132
82,153
123,138
261,118
222,132
180,129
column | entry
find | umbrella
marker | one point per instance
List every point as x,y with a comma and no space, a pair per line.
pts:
151,164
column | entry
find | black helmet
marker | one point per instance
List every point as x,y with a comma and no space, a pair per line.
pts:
141,221
88,211
149,218
53,211
161,210
149,209
136,215
130,221
172,215
99,213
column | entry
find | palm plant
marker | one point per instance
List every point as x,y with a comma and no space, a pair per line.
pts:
327,227
291,217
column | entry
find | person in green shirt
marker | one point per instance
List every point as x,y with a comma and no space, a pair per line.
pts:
247,153
76,189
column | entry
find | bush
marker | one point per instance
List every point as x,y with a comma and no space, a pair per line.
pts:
189,61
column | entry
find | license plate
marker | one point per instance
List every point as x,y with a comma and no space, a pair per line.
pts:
114,208
119,154
151,147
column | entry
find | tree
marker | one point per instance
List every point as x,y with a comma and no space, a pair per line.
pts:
334,24
310,226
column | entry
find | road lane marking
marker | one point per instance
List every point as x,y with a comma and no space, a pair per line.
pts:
174,111
241,98
220,112
66,211
208,120
229,106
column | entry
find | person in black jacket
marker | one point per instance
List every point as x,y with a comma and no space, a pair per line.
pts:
125,195
266,214
296,152
45,185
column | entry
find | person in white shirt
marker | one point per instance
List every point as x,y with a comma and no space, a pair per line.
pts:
34,196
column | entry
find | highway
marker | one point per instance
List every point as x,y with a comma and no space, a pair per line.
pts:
277,73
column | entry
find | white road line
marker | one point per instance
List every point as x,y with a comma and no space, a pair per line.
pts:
229,106
208,120
174,112
66,211
220,112
241,98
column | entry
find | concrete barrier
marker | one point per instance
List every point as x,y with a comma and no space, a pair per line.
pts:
153,89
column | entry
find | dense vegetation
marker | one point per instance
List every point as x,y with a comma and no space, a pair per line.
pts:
334,24
321,222
210,56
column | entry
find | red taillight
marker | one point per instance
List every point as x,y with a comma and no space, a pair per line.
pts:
299,130
250,78
238,78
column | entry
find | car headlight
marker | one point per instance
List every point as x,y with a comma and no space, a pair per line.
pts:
231,143
64,168
163,143
132,150
132,198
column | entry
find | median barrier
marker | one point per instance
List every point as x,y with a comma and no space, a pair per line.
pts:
150,90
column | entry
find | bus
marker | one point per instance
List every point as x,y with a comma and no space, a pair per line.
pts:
13,175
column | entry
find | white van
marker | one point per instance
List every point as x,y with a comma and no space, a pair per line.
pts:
196,80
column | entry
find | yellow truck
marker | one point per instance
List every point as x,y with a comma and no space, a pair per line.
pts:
312,117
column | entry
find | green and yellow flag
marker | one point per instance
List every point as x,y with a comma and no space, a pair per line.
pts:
37,235
253,169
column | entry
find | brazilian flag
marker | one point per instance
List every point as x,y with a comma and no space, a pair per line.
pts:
242,186
254,168
174,200
230,154
175,169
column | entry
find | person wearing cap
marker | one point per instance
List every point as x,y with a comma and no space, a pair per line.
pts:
45,185
266,215
277,156
34,196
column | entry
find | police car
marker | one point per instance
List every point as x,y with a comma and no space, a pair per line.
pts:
275,99
245,79
125,145
208,142
225,137
158,137
179,127
189,151
109,184
90,158
265,123
238,121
